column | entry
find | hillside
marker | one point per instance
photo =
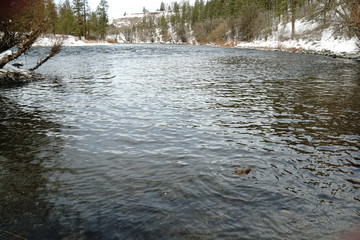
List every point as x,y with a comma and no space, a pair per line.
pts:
311,26
311,37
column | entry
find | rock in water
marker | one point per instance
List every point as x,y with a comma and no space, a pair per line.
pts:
17,64
242,171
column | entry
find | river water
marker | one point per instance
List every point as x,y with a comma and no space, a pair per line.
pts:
142,141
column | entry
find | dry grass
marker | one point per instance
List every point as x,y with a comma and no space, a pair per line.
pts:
109,40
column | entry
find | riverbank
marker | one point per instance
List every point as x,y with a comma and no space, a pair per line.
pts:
310,37
297,49
68,40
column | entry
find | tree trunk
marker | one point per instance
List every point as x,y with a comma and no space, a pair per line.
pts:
293,18
293,26
22,47
26,43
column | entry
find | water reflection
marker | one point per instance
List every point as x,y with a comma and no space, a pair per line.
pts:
319,116
25,147
304,126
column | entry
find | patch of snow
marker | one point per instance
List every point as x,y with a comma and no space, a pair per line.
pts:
133,15
142,15
5,54
49,40
339,44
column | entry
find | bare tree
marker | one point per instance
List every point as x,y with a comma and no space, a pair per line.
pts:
350,14
346,17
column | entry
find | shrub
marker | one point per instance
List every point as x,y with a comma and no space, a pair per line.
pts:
109,40
219,33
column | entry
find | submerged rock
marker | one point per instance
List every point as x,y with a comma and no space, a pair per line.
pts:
242,171
17,64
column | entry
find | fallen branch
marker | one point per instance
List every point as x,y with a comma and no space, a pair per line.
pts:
55,49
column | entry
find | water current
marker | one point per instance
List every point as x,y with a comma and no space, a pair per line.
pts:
142,141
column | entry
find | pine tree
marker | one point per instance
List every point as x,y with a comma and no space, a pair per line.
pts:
195,12
66,22
162,7
86,12
51,9
93,25
78,6
103,19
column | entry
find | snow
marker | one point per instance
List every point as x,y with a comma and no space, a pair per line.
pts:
141,15
309,37
133,15
5,55
49,40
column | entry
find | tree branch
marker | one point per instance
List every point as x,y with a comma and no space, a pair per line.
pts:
55,49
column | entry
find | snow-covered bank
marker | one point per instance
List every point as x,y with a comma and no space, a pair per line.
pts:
48,40
310,38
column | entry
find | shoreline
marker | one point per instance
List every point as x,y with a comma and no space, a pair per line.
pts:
328,53
71,41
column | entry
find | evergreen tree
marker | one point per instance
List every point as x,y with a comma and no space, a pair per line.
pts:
195,12
103,19
164,27
162,7
51,9
78,7
202,14
66,23
86,12
93,25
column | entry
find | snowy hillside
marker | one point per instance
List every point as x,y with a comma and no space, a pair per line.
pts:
319,33
310,37
144,28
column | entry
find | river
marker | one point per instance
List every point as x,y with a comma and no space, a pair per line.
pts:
142,141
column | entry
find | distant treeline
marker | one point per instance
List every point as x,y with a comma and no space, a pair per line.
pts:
76,18
243,20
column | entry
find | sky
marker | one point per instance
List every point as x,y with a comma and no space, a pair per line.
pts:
117,8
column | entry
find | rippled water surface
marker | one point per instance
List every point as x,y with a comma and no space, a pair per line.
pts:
142,141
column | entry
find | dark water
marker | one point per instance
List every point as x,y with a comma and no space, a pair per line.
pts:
141,142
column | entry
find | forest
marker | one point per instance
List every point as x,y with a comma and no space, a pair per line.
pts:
204,21
22,22
242,20
76,18
69,17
